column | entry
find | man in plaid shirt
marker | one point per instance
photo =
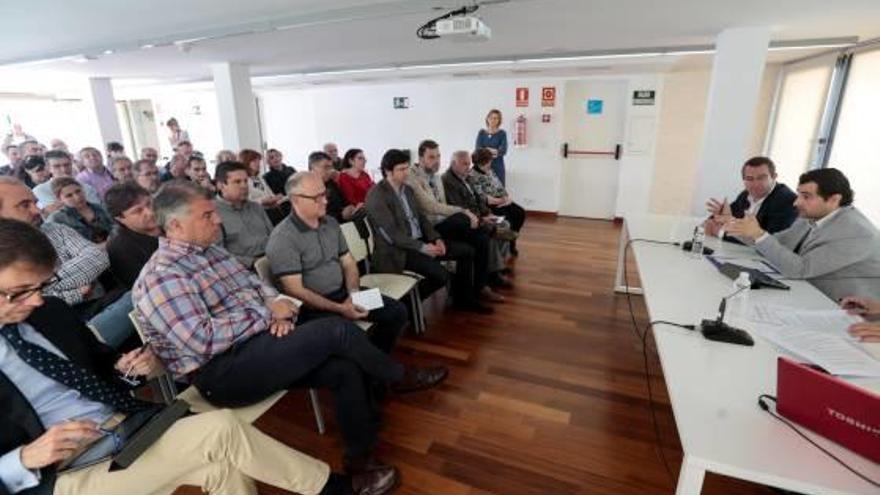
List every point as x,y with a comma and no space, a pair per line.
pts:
214,324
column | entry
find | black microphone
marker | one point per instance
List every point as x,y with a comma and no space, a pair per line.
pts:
719,331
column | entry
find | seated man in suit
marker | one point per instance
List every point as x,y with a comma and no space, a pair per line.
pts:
832,245
310,260
82,279
216,325
246,225
869,330
136,235
405,240
46,415
770,202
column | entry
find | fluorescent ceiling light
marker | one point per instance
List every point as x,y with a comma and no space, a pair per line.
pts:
588,57
457,64
349,71
808,47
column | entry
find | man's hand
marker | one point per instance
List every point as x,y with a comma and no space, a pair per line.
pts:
58,443
349,310
713,228
280,328
53,208
860,306
283,309
866,331
86,291
475,222
139,362
433,250
747,227
348,212
716,207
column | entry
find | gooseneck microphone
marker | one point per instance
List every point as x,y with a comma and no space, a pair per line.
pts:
719,331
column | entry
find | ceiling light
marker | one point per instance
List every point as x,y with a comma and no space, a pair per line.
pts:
108,52
461,64
588,57
781,48
350,71
147,46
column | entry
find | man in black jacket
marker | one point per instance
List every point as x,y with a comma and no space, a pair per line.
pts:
136,236
60,390
770,202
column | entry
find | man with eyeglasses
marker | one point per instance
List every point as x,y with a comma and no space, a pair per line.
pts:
60,164
310,259
770,202
246,226
146,174
136,235
337,207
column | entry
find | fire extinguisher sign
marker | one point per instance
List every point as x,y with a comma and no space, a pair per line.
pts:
548,96
522,97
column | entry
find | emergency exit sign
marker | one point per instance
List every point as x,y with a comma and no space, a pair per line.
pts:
644,97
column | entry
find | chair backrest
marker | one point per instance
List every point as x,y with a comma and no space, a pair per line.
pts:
264,270
137,326
356,245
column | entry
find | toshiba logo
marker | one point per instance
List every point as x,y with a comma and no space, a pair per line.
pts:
844,418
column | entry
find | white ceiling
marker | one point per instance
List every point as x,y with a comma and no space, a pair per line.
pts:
320,35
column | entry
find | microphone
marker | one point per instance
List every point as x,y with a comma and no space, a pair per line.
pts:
719,331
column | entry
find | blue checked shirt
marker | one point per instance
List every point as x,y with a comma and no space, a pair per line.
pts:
193,303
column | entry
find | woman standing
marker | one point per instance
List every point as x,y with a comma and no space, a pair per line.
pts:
494,138
175,133
89,219
354,180
483,179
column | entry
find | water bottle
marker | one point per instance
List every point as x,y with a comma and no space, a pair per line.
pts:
697,242
738,304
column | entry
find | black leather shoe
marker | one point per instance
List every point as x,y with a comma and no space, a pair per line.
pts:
375,482
418,378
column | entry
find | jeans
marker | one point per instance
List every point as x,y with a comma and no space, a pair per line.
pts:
328,353
113,324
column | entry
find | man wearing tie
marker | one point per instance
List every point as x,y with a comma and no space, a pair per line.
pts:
832,245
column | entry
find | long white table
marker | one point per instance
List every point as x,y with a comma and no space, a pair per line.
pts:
714,387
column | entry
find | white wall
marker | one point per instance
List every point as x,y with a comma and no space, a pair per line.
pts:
297,121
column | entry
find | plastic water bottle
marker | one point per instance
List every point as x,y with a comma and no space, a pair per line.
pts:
697,242
738,304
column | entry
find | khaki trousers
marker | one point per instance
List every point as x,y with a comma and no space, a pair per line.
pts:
215,451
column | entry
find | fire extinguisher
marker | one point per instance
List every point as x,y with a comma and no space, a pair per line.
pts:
520,131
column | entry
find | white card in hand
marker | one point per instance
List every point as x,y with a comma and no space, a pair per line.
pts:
499,219
368,299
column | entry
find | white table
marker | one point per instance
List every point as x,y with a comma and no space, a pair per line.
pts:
714,386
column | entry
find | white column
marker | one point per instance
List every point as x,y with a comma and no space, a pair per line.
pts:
740,55
237,108
103,103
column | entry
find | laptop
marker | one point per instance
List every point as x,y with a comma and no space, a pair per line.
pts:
837,410
759,278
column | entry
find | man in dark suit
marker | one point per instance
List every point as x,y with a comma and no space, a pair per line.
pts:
770,202
406,240
60,390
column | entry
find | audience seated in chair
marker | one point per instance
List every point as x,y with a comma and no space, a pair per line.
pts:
246,226
136,235
278,172
216,325
94,173
337,206
80,266
484,181
197,171
310,260
45,411
90,220
146,174
405,240
60,164
832,245
122,168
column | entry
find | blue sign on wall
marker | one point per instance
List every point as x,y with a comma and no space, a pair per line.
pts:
594,107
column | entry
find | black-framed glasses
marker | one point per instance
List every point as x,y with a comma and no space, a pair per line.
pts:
314,197
21,295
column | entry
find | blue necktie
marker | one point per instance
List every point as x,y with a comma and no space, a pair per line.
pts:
70,374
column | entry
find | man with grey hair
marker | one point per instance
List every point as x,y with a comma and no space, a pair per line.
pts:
95,174
217,326
333,152
150,153
146,174
310,260
60,164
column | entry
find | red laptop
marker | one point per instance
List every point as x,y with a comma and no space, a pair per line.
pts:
829,406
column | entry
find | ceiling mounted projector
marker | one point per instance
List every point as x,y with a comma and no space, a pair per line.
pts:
463,28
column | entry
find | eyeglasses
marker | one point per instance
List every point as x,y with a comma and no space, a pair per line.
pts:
19,296
315,197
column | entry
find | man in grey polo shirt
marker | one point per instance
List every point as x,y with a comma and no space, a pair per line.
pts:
246,227
311,262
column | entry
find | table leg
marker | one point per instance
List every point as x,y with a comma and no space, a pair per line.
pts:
690,478
619,282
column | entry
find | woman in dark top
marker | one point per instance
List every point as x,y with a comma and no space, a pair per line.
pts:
89,219
483,179
494,138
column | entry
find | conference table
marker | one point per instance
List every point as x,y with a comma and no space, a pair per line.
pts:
714,386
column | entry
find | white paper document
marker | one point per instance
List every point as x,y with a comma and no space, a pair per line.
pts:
368,299
819,336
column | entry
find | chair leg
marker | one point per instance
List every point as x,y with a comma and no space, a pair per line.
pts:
316,406
418,311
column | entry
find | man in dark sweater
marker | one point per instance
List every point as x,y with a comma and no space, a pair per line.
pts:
136,235
770,202
278,172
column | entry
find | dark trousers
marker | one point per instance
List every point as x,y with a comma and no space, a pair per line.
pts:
513,213
328,353
457,228
389,320
463,290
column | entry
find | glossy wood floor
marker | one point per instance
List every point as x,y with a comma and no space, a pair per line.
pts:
547,396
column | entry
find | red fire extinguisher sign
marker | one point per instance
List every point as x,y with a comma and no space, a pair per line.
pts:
522,97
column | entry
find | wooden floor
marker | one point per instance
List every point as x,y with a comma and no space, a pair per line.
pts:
547,396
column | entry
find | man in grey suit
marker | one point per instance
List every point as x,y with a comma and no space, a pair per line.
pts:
832,244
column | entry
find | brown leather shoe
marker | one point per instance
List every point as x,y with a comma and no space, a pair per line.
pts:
420,378
375,482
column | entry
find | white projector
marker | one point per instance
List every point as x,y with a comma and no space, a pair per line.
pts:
463,28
